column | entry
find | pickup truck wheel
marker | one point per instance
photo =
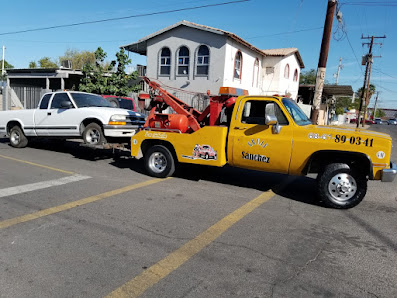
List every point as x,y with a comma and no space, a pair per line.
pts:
17,137
159,162
340,187
93,134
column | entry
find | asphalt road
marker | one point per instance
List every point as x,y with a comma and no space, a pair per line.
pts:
76,223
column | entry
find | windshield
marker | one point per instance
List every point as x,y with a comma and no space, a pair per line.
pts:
89,100
296,113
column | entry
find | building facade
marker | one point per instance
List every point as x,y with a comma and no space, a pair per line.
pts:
199,58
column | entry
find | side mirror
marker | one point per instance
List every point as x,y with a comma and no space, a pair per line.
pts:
66,104
272,120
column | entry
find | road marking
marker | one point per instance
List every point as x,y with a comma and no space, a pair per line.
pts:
36,164
28,217
138,285
5,192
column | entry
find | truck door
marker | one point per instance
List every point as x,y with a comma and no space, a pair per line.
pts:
256,145
60,121
40,114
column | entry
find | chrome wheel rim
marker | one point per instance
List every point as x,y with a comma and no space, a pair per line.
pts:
342,187
157,162
15,137
93,136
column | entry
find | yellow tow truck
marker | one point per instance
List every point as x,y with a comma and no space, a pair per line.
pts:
265,133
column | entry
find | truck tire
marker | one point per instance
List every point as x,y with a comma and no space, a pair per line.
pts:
159,162
93,134
341,187
17,137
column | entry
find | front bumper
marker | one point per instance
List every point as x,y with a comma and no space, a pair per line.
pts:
120,131
388,175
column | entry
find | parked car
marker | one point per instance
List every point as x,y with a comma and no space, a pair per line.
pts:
70,114
378,121
392,121
121,102
367,121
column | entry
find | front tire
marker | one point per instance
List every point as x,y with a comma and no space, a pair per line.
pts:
17,137
341,187
93,134
159,162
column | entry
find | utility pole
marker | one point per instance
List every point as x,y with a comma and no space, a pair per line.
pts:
376,100
367,78
2,66
340,66
322,62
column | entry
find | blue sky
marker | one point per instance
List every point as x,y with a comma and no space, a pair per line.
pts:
265,24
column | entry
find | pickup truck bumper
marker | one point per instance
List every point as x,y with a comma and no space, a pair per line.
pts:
388,175
119,131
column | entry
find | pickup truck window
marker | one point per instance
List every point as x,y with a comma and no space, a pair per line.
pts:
90,100
254,112
296,113
58,99
44,102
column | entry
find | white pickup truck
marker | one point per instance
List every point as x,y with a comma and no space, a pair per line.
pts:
70,114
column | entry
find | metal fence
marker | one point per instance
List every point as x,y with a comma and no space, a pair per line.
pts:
28,96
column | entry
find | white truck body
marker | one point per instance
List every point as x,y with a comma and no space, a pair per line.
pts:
55,117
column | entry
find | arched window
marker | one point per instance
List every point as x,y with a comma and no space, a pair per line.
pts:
183,61
255,75
165,61
286,71
203,60
238,64
296,75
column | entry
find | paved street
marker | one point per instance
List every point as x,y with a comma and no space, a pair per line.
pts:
76,223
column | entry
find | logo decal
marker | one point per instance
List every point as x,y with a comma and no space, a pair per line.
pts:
255,157
380,154
257,142
205,152
158,135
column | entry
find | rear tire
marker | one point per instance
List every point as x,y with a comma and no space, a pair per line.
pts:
159,162
341,187
93,134
17,137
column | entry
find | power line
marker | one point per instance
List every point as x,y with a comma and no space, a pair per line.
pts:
282,33
390,4
123,18
378,70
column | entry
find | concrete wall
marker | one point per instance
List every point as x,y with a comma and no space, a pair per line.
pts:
274,81
192,39
247,75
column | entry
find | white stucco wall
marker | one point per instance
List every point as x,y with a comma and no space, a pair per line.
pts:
192,39
221,65
247,75
274,82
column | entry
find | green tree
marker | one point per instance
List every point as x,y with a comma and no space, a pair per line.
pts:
380,113
309,77
46,62
32,64
6,64
371,92
78,58
99,78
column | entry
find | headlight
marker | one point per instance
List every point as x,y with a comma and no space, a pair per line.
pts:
118,118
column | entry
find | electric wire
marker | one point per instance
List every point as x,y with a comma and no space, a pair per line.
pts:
122,18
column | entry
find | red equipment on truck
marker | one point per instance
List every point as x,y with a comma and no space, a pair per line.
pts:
187,119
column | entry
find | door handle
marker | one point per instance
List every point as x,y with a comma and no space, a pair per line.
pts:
240,128
48,113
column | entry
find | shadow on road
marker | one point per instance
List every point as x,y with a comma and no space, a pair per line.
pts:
302,189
